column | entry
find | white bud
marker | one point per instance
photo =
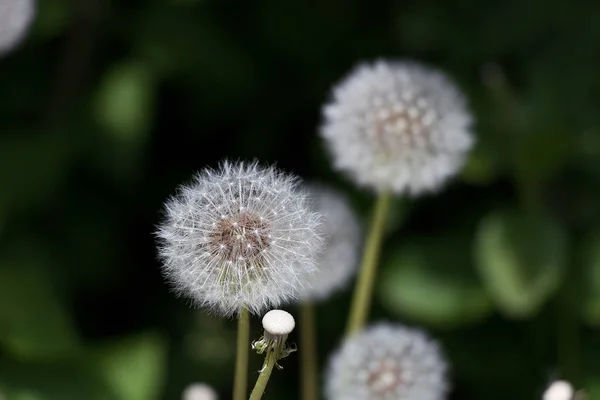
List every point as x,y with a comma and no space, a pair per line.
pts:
559,390
199,391
278,322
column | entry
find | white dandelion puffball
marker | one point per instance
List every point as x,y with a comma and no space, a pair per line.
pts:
15,18
397,126
559,390
338,259
386,362
240,236
199,391
278,322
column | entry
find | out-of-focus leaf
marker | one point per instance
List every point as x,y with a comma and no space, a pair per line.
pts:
479,169
32,167
432,281
125,101
133,367
521,259
591,271
52,381
33,323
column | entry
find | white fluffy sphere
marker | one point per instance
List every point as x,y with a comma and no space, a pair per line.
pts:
15,18
397,126
559,390
338,259
278,322
199,391
387,362
240,236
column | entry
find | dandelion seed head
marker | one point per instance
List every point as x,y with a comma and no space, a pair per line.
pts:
387,362
338,259
199,391
397,126
240,236
559,390
15,18
278,322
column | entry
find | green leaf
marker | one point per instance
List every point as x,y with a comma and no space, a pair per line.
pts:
34,324
125,101
432,281
52,381
521,259
134,367
591,274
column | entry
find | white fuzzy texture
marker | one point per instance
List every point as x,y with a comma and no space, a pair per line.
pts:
387,362
338,260
559,390
397,126
278,322
15,18
199,391
240,236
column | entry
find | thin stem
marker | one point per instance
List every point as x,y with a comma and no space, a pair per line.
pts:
263,378
361,301
308,352
568,332
240,383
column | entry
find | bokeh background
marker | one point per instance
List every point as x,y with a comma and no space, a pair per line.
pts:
107,106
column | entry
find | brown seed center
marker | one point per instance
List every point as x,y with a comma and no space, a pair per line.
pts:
384,379
241,236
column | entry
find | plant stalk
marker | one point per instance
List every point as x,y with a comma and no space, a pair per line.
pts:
363,292
240,383
308,352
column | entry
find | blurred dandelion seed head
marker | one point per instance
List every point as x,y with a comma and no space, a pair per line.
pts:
240,236
15,18
559,390
338,259
397,126
199,391
386,362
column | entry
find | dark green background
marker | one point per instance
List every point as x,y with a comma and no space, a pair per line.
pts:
108,106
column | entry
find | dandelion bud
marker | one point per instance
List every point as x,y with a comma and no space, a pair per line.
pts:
397,126
278,324
387,362
199,391
15,18
239,237
559,390
338,259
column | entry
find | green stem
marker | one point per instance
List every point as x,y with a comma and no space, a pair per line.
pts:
308,352
361,301
568,334
263,378
240,383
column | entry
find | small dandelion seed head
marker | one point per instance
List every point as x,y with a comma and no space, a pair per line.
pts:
225,256
559,390
338,260
278,322
397,126
15,18
387,362
199,391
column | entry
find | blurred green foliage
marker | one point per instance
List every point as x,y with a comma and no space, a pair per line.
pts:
107,106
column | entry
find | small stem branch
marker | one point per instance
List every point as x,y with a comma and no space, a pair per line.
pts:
263,378
308,352
240,383
361,301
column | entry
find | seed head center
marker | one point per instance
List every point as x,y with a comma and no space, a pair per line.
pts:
241,236
384,379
